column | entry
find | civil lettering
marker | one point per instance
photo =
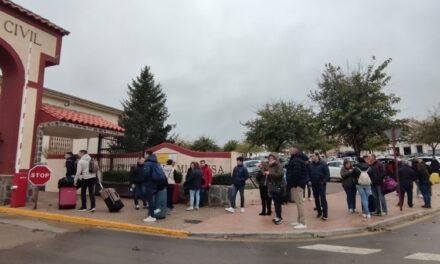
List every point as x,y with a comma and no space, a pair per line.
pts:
5,25
21,31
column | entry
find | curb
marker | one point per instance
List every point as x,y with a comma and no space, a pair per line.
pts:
319,234
95,222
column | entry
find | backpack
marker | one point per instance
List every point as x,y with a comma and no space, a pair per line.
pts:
157,173
364,179
93,166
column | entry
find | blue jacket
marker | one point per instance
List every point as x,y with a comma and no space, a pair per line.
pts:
148,168
239,176
319,172
297,172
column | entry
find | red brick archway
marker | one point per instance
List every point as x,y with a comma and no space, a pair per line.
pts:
10,103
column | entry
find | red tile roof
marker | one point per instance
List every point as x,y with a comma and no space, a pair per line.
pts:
33,16
76,117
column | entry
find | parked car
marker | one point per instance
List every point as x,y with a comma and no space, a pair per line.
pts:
252,166
335,169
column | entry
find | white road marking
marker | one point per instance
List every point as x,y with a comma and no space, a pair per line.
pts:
342,249
424,256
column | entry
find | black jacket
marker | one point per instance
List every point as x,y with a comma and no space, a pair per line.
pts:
70,166
297,172
406,175
137,174
239,175
422,175
319,172
350,177
194,179
434,167
261,178
376,173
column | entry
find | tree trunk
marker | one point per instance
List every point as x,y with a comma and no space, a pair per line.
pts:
433,150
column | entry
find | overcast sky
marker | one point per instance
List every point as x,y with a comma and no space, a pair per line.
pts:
218,61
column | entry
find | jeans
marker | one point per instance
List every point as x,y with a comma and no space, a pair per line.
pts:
88,184
426,192
148,192
170,192
364,192
298,193
319,192
266,200
278,200
233,197
379,199
351,197
408,189
194,198
138,194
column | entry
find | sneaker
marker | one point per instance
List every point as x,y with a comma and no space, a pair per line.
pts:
351,211
384,214
420,196
364,215
278,221
269,213
230,210
149,219
82,210
324,218
196,208
242,210
157,211
190,208
300,226
318,215
137,207
368,216
310,199
91,210
304,199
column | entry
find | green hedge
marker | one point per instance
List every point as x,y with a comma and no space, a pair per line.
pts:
116,176
222,179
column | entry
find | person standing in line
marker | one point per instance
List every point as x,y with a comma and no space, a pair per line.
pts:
319,176
425,184
149,187
206,183
377,175
349,182
239,177
308,185
266,200
71,164
363,185
407,176
276,186
297,177
194,183
88,181
136,178
169,173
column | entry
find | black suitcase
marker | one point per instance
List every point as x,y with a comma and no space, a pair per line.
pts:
371,204
111,199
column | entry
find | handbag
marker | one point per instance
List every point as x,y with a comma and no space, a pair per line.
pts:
389,185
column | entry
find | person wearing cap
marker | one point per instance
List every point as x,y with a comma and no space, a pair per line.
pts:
276,185
239,177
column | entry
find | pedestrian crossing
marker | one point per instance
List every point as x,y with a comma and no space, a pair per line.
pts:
366,251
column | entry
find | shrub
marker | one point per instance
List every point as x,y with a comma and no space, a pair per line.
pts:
222,179
116,176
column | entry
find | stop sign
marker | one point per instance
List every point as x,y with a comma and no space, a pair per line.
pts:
39,175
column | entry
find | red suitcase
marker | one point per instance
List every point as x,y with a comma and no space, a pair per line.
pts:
67,198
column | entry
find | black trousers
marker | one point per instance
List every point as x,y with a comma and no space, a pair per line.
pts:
170,191
266,200
408,189
88,184
278,200
319,192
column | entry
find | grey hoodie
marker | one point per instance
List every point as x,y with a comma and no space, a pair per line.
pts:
82,169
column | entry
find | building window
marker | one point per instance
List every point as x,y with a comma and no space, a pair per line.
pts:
419,149
60,145
406,151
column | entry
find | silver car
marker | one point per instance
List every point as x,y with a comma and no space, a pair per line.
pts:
335,169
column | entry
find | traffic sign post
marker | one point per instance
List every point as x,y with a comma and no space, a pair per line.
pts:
38,176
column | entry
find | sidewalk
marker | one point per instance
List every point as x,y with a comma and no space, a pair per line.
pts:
216,223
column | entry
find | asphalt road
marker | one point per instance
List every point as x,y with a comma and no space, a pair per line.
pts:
114,247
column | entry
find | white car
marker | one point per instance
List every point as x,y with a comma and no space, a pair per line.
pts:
335,169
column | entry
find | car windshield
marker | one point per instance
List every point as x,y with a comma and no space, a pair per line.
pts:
251,163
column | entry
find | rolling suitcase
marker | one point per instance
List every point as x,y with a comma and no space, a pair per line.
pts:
67,198
111,199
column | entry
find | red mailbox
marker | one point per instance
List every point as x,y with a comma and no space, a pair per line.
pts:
19,190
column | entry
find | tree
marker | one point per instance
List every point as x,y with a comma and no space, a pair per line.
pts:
354,106
279,124
231,145
426,131
204,143
145,114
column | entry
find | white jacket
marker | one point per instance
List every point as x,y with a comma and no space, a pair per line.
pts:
82,169
169,173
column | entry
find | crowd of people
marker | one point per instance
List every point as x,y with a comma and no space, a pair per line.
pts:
153,185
